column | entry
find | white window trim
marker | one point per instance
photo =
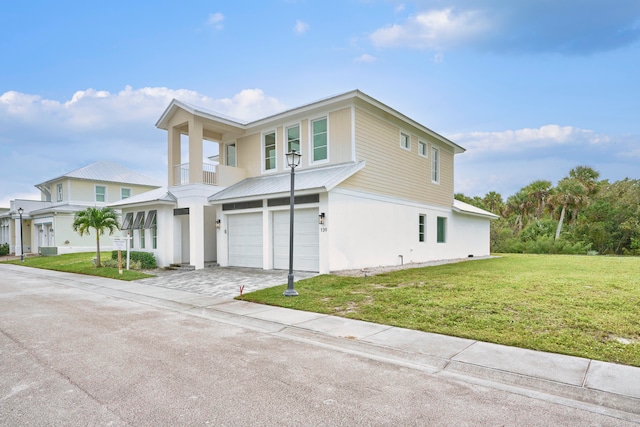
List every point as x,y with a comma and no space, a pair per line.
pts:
312,160
426,149
444,231
95,193
262,151
435,164
402,139
59,190
422,217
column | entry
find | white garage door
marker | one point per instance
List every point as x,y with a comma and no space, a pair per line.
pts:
245,240
305,240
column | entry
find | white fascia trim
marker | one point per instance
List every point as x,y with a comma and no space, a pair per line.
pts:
268,196
463,212
388,199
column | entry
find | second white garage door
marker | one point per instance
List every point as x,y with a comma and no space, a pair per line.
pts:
245,240
306,242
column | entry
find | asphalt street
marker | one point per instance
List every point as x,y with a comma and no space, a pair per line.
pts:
75,357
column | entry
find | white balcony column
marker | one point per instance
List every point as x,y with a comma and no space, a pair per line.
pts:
196,236
173,157
196,134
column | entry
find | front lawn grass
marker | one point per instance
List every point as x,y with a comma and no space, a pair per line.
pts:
587,306
80,263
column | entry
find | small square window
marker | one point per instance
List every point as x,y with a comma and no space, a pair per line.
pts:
125,193
422,149
405,141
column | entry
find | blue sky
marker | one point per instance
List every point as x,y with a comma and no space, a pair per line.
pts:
530,88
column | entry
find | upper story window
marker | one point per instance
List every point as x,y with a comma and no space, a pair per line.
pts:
101,193
269,144
231,155
405,141
58,192
435,165
319,138
422,149
293,138
125,193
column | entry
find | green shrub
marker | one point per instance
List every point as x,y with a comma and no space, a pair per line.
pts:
146,259
113,263
4,249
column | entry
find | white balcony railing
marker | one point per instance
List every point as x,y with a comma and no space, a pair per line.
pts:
181,174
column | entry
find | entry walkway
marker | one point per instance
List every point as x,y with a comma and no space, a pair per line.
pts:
600,387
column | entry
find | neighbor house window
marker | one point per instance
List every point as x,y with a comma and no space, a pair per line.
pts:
319,139
101,193
231,155
442,229
435,165
421,227
270,151
293,138
125,193
422,149
58,192
405,141
138,225
150,223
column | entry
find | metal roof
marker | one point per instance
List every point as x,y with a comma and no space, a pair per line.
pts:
323,178
158,195
108,172
466,208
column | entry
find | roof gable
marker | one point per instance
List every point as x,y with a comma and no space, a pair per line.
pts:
105,171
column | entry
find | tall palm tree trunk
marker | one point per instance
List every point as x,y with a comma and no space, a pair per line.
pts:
98,248
559,229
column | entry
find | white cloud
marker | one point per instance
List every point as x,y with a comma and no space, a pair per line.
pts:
301,27
517,26
43,138
366,58
216,20
434,29
526,139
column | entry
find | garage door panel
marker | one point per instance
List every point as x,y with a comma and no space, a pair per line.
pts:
245,240
306,240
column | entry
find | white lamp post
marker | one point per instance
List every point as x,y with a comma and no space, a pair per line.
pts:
293,160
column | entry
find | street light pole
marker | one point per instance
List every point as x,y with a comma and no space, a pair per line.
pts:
20,211
293,160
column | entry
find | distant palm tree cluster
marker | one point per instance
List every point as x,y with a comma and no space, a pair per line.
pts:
581,214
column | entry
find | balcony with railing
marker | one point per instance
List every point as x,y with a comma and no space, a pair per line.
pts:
181,174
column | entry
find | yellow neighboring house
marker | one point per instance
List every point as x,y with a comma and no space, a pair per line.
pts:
47,223
374,188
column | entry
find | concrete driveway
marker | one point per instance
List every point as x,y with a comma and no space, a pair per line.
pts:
222,282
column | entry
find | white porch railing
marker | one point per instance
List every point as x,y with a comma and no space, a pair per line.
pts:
181,174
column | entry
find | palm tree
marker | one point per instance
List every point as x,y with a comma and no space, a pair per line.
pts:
539,191
587,176
570,193
493,202
98,219
521,206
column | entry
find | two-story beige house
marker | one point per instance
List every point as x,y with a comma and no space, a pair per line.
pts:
374,188
47,224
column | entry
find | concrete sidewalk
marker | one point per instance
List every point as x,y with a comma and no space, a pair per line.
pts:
605,388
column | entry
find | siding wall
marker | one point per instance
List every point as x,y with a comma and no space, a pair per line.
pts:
394,171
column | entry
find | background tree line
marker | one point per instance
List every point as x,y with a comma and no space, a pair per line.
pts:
580,215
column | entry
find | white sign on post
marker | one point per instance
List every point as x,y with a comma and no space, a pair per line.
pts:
120,244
